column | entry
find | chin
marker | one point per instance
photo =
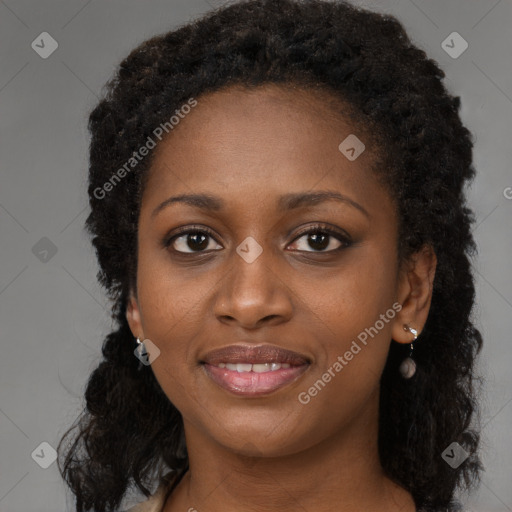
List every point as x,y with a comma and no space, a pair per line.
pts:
260,436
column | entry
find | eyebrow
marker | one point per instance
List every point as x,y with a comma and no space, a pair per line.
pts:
286,202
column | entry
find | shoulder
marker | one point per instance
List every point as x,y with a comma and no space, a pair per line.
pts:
454,506
156,501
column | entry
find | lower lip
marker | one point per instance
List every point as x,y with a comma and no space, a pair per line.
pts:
252,383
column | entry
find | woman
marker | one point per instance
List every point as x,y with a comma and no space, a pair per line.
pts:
278,211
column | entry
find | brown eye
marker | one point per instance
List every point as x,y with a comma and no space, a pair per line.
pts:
193,241
321,240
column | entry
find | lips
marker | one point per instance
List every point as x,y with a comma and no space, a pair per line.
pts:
254,370
235,354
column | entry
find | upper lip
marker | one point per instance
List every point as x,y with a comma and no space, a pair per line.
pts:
254,354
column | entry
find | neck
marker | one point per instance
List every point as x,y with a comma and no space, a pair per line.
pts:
342,473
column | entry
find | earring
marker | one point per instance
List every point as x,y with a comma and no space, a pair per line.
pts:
141,353
408,366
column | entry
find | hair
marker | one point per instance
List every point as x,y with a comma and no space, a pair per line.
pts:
129,430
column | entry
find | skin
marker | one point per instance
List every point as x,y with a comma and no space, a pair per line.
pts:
248,147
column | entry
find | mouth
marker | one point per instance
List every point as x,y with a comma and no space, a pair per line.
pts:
254,370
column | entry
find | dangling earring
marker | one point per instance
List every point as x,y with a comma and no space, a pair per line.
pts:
140,352
408,366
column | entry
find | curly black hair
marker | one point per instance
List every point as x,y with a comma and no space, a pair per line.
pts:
129,431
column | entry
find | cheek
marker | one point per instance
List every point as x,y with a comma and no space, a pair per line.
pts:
176,313
353,296
356,307
170,298
171,312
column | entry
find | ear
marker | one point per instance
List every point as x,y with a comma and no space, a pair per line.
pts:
133,317
416,281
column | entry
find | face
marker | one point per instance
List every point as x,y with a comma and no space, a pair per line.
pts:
290,260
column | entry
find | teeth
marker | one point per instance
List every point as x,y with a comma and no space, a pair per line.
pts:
257,368
261,368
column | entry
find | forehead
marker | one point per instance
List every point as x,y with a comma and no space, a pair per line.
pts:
254,142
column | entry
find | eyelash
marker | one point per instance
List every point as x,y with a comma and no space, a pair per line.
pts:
341,236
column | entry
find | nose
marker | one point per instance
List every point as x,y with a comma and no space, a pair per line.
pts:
253,294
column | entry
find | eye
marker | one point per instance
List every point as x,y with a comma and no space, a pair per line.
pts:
192,241
322,239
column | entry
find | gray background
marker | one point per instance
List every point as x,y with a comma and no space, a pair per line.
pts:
53,314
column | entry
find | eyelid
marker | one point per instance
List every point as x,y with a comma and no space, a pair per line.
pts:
340,234
324,228
184,230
